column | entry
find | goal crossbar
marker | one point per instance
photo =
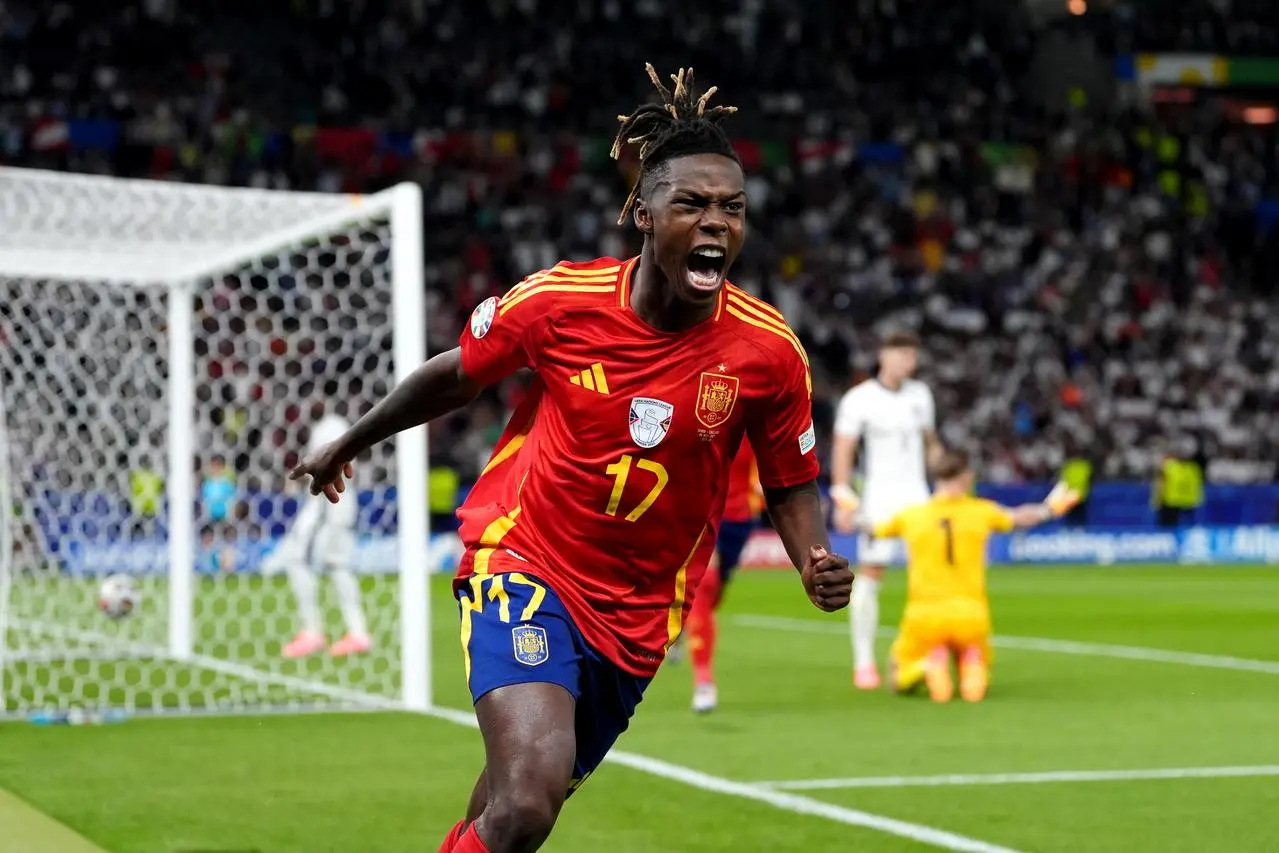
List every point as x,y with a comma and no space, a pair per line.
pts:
30,252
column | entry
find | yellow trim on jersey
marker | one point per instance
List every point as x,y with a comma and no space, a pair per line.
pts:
559,272
511,447
771,320
757,303
675,616
555,288
758,307
492,537
482,558
723,299
624,282
786,335
498,528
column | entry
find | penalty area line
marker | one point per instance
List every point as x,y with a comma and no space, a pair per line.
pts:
793,803
966,779
1037,644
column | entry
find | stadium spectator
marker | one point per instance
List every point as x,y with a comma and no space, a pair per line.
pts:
1093,274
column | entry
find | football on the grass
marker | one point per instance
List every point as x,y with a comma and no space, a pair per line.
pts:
118,596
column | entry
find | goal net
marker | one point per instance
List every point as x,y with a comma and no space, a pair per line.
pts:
166,352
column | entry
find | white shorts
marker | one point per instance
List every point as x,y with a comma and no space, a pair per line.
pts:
879,508
323,533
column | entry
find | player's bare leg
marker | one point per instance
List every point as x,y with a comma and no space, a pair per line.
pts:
974,675
941,684
701,633
529,745
479,798
863,615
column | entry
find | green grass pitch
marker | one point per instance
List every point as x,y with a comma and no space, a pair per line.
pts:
1132,710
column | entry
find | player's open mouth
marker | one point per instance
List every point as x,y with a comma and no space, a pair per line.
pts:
706,267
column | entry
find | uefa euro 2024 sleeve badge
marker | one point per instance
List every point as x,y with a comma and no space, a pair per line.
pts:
482,317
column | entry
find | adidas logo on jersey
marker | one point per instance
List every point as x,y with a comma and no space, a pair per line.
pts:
592,379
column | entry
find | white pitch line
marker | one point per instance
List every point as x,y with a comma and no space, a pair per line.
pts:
1040,644
1023,778
225,667
793,803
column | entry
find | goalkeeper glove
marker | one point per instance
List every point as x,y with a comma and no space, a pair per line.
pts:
1061,500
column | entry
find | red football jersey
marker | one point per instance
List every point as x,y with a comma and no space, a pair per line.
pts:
742,503
609,481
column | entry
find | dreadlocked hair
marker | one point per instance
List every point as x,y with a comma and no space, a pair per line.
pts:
682,124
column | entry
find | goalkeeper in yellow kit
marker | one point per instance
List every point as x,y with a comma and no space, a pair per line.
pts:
947,611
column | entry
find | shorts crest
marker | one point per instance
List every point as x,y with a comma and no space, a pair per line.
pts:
531,647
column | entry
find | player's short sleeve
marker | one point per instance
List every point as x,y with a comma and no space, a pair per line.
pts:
781,431
999,518
851,414
501,337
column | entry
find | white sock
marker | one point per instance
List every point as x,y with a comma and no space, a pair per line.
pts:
307,593
864,614
348,588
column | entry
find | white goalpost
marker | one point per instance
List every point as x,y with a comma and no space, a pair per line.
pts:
163,349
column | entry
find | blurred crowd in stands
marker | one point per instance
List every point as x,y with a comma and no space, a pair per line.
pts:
1091,279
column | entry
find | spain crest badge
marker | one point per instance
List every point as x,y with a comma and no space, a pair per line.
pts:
716,396
531,647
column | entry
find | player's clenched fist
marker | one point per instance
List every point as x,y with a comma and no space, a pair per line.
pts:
827,579
326,467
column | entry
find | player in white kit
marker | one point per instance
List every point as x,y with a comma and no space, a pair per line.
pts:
894,416
323,536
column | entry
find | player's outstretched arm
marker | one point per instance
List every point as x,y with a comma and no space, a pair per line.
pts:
1060,501
797,516
436,388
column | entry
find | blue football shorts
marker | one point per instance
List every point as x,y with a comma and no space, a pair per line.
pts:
515,630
